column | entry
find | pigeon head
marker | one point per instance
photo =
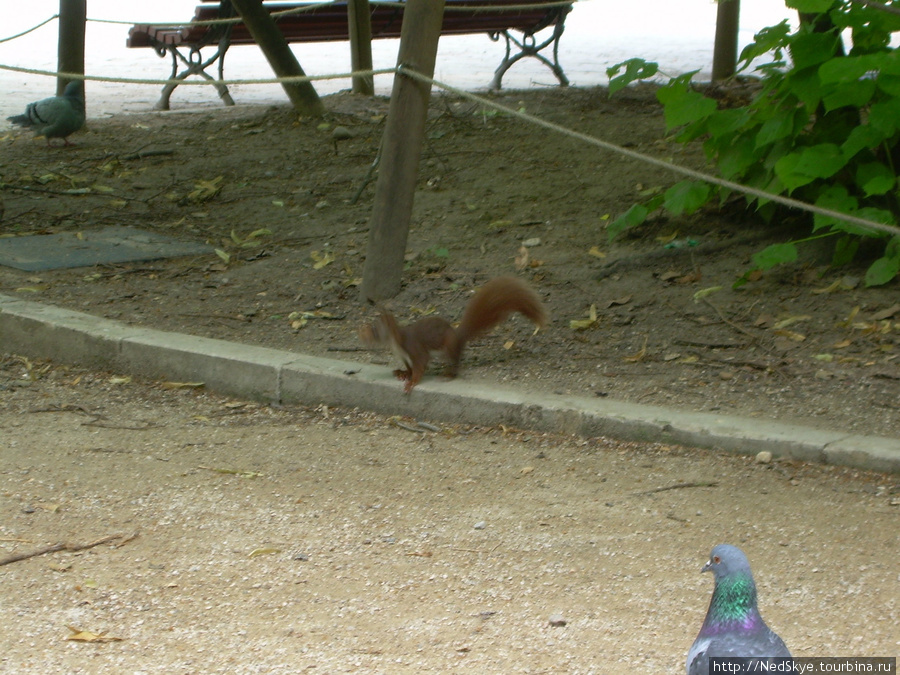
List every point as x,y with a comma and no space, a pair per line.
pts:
733,603
733,626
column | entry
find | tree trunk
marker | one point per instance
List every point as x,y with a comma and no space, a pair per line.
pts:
401,148
70,54
725,51
284,64
359,23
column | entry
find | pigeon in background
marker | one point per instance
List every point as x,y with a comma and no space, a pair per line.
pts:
55,117
733,626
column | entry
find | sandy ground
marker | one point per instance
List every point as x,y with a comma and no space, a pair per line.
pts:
253,539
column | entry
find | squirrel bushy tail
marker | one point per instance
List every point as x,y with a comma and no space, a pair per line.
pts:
490,306
413,344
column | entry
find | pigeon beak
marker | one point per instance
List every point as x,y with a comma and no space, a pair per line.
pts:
707,567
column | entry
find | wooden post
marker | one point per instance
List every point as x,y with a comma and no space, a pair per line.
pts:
401,148
359,24
284,64
725,51
70,51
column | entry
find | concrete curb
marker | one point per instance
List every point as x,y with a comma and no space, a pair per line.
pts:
43,331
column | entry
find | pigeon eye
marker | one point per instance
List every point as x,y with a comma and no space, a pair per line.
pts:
716,559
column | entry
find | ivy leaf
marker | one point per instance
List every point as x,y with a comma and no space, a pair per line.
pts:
854,94
636,215
846,68
821,161
811,6
884,116
875,178
882,271
682,104
635,69
861,137
686,197
811,49
769,39
844,250
776,254
775,129
835,198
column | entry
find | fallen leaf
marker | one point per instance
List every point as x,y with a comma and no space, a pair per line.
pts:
263,551
522,258
321,259
79,635
665,239
583,324
846,323
233,472
624,300
596,252
704,292
691,278
205,189
182,385
639,356
791,335
123,379
886,313
832,288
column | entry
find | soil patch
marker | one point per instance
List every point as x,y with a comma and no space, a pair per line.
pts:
281,198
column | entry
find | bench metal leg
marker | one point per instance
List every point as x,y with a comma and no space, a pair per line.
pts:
528,46
195,65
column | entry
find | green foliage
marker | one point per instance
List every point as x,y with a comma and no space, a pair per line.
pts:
635,69
824,128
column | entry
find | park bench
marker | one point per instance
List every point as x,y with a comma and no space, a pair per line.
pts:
516,21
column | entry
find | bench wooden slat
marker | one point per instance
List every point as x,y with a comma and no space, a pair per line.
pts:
329,23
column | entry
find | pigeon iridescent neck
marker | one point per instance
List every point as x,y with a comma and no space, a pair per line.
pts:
733,606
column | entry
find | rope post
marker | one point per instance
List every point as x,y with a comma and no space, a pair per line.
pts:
401,148
725,49
70,54
359,23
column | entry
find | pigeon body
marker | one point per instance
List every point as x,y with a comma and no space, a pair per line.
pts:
55,117
733,626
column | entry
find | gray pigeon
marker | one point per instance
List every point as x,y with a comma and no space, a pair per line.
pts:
733,626
55,117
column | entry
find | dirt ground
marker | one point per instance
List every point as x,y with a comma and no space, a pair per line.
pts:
252,539
259,539
276,195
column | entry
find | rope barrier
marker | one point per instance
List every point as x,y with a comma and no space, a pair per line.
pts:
206,83
691,173
26,32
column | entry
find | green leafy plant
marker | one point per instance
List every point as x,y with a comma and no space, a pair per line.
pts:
823,128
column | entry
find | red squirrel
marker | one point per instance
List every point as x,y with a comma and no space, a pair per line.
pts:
413,344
